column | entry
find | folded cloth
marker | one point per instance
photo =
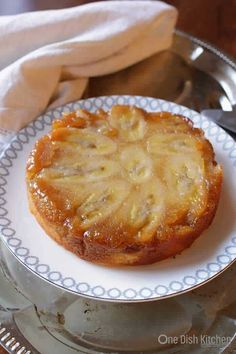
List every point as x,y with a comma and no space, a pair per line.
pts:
48,56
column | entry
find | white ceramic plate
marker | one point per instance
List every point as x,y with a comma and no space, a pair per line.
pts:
210,254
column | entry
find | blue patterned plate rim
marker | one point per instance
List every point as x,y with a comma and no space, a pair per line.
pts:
99,291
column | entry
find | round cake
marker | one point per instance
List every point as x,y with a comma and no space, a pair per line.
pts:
124,187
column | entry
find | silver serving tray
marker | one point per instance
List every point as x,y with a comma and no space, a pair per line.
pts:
191,73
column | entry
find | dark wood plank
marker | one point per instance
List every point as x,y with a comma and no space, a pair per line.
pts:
2,351
210,20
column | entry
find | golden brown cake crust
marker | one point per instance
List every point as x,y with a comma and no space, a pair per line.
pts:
124,187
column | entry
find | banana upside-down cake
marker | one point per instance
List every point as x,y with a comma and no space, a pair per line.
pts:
124,187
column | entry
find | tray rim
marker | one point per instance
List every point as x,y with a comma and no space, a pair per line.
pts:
210,47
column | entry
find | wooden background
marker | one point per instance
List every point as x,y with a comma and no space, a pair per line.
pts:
210,20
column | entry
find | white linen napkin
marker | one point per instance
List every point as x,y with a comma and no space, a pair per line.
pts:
48,56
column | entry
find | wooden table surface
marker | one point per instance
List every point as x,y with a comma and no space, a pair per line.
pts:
210,20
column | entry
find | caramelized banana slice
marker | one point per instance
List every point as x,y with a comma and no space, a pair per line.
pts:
104,199
84,171
170,144
169,123
185,180
84,141
137,164
103,127
129,121
147,209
